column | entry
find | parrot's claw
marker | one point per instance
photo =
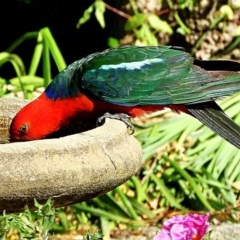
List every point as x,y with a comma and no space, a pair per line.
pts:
118,116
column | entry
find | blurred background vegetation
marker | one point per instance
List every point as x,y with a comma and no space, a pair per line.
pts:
186,166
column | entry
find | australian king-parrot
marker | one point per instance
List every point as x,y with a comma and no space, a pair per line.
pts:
131,81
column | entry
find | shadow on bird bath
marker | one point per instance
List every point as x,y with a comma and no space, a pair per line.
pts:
69,169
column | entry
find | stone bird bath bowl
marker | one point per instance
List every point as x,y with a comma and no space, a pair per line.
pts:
69,169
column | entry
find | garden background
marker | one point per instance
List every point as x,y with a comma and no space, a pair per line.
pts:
187,168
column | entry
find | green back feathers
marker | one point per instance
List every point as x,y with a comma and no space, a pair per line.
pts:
133,75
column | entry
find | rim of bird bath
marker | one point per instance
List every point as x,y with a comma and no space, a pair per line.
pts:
69,169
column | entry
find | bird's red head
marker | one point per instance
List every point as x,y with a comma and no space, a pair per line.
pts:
35,121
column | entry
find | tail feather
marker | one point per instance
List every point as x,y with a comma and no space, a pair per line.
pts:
211,115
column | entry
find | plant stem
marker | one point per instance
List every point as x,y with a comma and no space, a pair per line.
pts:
117,11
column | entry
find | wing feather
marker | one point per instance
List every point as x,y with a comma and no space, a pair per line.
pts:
159,75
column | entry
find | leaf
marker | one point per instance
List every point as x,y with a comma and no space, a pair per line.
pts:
192,182
227,12
157,24
101,213
86,16
15,60
127,204
27,80
113,42
135,21
99,12
186,4
53,47
3,87
64,220
166,192
36,55
147,36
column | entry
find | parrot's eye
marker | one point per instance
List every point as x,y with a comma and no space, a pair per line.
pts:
23,129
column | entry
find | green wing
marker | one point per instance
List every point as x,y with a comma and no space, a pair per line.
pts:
160,75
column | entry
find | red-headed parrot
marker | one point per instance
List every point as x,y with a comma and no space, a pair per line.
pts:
131,81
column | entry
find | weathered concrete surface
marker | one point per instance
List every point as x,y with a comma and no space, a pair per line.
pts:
68,169
225,231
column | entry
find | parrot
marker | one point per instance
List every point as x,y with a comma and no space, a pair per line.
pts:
128,82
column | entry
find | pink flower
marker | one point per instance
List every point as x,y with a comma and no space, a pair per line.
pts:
191,227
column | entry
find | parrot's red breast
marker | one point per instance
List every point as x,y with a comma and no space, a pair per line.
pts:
44,116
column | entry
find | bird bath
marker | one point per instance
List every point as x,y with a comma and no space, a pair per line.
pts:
69,169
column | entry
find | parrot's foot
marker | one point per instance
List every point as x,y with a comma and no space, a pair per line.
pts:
118,116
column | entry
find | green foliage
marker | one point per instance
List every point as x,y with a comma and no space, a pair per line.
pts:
186,166
26,80
29,224
92,236
186,4
154,27
99,8
3,87
144,27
